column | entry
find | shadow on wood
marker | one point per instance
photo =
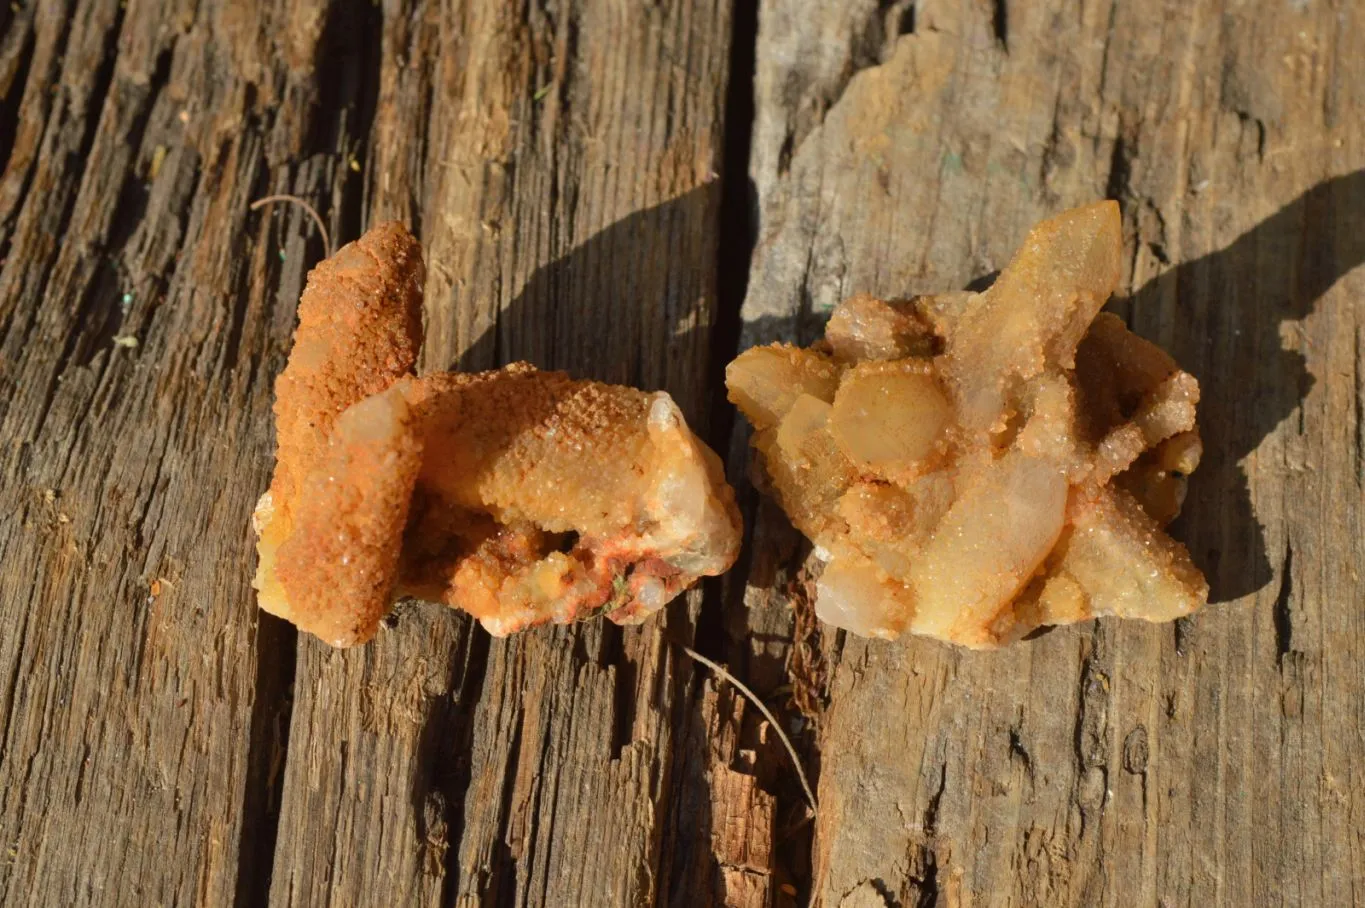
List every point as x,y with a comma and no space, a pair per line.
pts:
625,283
1230,305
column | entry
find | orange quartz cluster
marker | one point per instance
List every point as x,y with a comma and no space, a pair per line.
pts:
520,496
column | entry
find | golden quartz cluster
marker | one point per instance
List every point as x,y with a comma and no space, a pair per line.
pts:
972,466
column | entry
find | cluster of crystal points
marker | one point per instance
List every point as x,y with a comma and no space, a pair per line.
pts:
972,466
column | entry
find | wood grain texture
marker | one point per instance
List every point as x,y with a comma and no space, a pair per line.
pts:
565,165
560,164
136,134
1210,762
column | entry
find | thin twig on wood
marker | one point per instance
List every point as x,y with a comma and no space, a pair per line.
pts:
767,714
312,212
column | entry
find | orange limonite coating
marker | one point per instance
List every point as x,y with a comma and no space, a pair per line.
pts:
360,329
972,466
517,495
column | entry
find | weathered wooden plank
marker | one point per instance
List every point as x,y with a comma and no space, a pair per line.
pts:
143,311
560,165
1212,762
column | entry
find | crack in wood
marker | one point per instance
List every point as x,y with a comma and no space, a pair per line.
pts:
263,791
1019,752
1283,610
1118,184
15,63
445,750
1000,23
1359,371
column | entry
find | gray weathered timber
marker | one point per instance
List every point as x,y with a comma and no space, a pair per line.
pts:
1211,762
